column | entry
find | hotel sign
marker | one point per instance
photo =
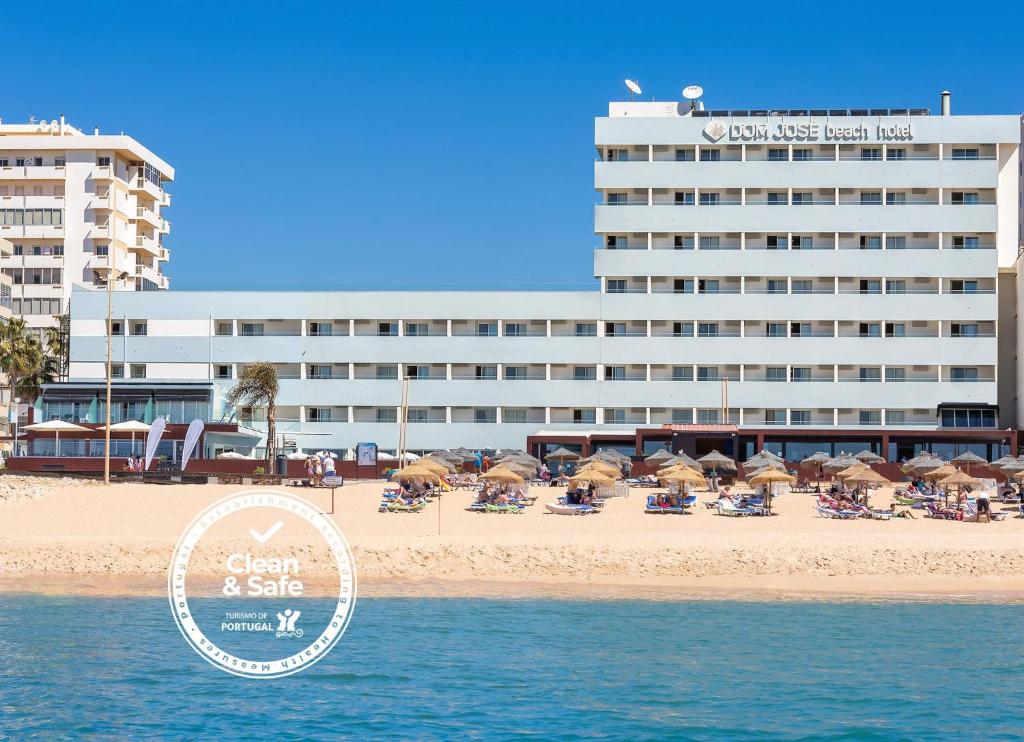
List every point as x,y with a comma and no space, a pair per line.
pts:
808,131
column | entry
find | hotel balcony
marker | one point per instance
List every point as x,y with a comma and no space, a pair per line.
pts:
148,245
38,231
148,216
33,172
103,172
139,184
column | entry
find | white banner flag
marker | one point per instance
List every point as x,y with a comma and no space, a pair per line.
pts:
195,429
156,431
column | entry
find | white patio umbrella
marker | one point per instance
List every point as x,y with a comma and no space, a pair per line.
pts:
230,455
56,427
130,426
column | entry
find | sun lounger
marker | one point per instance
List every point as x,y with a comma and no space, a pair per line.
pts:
728,507
392,506
827,512
510,508
560,509
941,513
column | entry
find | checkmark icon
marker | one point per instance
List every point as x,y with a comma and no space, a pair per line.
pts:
266,535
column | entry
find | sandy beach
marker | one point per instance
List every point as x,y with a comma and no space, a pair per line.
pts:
69,536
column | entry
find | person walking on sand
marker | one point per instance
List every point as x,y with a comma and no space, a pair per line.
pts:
485,464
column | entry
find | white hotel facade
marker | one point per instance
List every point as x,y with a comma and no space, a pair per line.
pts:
773,270
74,207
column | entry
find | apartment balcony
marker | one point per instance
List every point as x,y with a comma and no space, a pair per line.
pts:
101,203
627,218
103,172
165,226
116,260
148,216
32,172
165,254
144,185
148,245
38,231
165,199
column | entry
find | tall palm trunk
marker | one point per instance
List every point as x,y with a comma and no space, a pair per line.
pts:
271,435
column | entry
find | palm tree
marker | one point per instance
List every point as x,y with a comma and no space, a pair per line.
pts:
257,387
21,357
58,347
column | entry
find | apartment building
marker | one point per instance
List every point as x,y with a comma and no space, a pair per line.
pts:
815,278
76,207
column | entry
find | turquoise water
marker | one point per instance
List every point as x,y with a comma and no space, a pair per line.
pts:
543,669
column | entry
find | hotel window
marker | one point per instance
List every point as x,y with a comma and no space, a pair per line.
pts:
222,372
584,417
870,242
19,162
322,371
803,198
800,373
514,415
616,286
138,327
386,415
386,373
515,329
800,329
614,373
514,373
799,417
710,155
870,330
4,162
895,329
778,154
682,416
618,199
802,243
896,243
615,416
709,243
117,370
708,286
116,327
871,153
962,153
611,242
802,154
871,198
252,329
708,373
708,417
963,329
895,198
777,286
137,370
679,242
965,243
682,286
895,417
684,198
613,329
870,374
682,329
707,329
775,329
103,161
775,373
958,286
387,329
417,372
617,155
968,418
778,198
59,162
870,417
224,328
774,417
584,373
682,373
321,329
895,374
17,249
486,373
418,415
487,329
775,242
802,286
37,161
960,198
709,199
485,415
963,373
895,286
318,414
684,154
896,153
586,329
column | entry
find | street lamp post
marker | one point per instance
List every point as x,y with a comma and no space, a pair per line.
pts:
110,340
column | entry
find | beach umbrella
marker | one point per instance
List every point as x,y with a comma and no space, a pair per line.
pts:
445,464
500,474
968,458
416,472
562,454
521,470
764,453
754,464
815,460
661,456
56,427
867,476
960,479
717,460
851,471
129,426
430,465
677,468
600,466
760,459
768,478
840,462
928,466
591,477
611,454
682,458
869,457
1002,461
1015,465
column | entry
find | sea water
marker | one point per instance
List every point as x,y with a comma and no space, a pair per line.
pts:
117,668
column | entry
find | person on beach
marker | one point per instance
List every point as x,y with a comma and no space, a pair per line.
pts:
329,470
485,464
984,508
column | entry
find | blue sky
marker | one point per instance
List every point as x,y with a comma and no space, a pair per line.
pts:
417,145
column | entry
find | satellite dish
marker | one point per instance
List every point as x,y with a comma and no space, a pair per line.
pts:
692,92
634,87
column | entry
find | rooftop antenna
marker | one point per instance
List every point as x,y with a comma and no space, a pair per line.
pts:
692,93
634,88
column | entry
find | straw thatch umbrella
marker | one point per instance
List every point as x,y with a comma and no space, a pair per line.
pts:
940,472
675,469
56,427
562,454
434,466
758,460
661,456
815,461
968,458
851,471
1002,461
924,467
867,476
1014,466
840,462
960,479
682,458
603,467
717,460
768,478
764,453
416,472
499,474
610,454
869,457
591,477
684,477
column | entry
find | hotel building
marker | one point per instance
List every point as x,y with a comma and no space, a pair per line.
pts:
74,207
798,279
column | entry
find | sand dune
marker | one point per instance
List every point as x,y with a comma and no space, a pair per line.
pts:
118,539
